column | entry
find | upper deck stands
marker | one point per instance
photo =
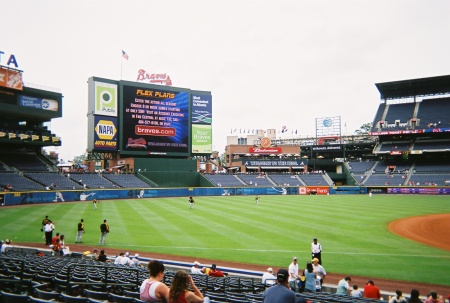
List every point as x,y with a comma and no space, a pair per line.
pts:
434,113
400,112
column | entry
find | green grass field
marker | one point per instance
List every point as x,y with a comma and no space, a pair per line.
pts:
351,228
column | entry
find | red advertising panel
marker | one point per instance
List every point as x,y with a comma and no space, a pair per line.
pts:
262,150
313,190
10,78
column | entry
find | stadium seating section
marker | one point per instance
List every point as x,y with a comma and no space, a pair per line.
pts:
30,172
26,276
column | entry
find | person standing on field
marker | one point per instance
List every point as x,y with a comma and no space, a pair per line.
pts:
191,202
104,230
316,250
80,232
44,222
48,229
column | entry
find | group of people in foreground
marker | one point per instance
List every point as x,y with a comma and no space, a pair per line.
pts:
153,290
373,292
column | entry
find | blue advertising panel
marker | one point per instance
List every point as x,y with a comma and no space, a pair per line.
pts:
105,133
419,190
18,198
39,103
155,121
201,109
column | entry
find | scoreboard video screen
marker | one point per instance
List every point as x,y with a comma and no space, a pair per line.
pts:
152,120
155,120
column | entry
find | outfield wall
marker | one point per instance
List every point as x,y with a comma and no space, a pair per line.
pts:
22,198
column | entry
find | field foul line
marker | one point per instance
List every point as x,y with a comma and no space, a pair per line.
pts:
286,251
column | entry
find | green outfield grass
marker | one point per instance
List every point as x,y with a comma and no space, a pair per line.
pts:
351,228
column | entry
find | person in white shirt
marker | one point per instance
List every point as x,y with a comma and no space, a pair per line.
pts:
319,270
135,261
293,275
121,259
268,278
316,250
196,270
8,243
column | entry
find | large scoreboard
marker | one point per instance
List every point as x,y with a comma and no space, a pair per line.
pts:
143,119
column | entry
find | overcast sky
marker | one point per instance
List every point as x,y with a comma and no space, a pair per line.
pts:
268,64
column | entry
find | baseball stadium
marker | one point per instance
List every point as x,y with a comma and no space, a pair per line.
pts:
376,201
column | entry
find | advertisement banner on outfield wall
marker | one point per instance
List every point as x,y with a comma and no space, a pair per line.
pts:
313,190
419,190
24,198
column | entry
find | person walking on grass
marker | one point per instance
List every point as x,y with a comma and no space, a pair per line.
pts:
80,232
104,230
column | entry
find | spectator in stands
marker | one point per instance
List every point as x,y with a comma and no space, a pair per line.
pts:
355,292
281,292
121,259
343,287
414,297
56,247
55,238
214,272
310,278
5,245
135,261
371,291
94,255
293,275
319,270
152,290
434,298
80,231
48,229
196,270
102,256
398,298
268,278
178,290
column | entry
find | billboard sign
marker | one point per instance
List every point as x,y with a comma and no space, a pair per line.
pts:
201,109
39,103
106,101
155,120
328,126
11,78
201,139
105,133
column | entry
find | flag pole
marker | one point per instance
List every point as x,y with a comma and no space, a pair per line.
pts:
121,63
